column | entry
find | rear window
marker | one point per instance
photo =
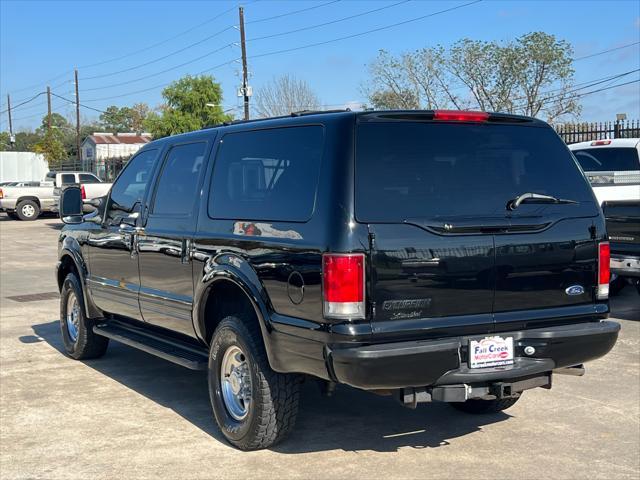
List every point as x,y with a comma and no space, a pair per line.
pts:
87,178
67,178
267,174
425,170
608,159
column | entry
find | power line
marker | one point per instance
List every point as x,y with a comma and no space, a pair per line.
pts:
162,42
112,97
310,27
74,102
191,45
605,51
24,103
136,52
359,34
385,27
294,12
155,74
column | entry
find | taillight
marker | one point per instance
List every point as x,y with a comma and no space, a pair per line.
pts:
604,273
83,192
1,193
460,116
600,142
343,285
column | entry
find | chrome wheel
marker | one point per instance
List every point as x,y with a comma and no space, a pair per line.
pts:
73,316
235,382
28,210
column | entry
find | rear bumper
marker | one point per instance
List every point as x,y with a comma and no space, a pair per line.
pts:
444,362
625,265
7,204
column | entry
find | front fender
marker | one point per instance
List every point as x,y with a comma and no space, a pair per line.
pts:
70,247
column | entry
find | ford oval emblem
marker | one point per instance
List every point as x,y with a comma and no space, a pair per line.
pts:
575,290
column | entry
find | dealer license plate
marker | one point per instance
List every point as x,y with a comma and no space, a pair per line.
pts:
491,352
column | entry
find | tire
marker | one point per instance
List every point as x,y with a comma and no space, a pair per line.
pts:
270,413
27,210
77,332
477,406
616,285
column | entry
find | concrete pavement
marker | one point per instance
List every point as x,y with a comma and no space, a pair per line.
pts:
136,416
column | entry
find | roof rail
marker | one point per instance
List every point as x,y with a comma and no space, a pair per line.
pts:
292,114
315,112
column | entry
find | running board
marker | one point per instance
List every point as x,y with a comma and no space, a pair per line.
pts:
183,354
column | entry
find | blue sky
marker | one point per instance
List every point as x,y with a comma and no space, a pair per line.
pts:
41,43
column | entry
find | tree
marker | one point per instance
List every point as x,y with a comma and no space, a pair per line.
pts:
52,147
185,108
139,113
514,77
283,95
26,141
116,119
5,141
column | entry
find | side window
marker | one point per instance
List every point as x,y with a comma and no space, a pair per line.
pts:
131,184
178,183
67,178
267,174
87,178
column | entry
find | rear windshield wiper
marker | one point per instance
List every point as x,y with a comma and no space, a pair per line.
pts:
535,198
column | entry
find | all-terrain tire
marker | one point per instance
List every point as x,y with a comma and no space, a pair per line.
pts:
477,406
79,340
27,210
272,410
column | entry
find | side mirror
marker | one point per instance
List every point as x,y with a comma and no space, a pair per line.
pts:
71,205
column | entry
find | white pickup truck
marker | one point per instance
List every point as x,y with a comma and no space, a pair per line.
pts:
612,167
90,185
26,200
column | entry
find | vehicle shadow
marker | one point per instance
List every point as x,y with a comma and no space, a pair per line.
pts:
350,420
626,305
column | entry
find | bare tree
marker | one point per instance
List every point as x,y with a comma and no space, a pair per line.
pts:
283,95
530,76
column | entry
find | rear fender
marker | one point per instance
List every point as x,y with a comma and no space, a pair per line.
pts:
232,268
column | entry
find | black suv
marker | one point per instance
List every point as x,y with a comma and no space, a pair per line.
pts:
430,255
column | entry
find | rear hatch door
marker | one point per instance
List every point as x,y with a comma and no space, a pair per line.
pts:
447,253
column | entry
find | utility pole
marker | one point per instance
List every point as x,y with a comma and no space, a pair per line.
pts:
9,111
79,155
245,83
48,108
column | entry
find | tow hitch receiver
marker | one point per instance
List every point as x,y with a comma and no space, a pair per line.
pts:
410,397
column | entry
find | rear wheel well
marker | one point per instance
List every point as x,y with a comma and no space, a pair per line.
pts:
33,199
225,298
67,266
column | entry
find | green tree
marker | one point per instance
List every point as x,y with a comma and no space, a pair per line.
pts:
531,75
5,141
26,141
116,119
52,147
185,108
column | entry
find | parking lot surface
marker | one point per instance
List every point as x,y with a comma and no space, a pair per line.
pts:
132,415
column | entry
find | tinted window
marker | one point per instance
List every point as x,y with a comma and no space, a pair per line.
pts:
608,159
424,170
67,178
177,187
86,178
130,186
267,174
